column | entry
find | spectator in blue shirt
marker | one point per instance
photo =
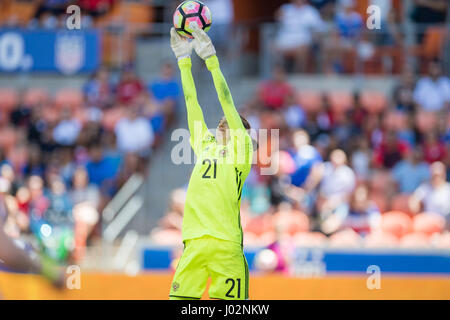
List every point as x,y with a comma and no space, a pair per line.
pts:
410,172
102,169
166,91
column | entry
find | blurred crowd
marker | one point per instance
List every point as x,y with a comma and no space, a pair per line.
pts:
330,35
52,14
64,156
355,168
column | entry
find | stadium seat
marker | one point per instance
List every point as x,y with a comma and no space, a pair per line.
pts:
9,98
373,101
400,202
380,200
310,239
395,120
34,96
442,241
72,98
166,236
340,101
8,138
415,240
311,101
345,239
380,239
396,223
380,180
428,223
111,117
260,224
291,222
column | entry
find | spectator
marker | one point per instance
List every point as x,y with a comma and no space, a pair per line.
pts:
410,172
67,130
390,151
98,91
129,87
344,39
361,215
223,14
166,91
432,92
83,191
102,169
429,12
337,183
60,206
275,93
403,93
434,195
433,149
299,21
134,133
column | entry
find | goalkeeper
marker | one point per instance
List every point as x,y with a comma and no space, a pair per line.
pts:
212,232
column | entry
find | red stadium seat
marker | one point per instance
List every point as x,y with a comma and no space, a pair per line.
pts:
345,239
442,241
380,200
34,96
166,236
400,202
72,98
9,98
380,239
373,101
380,181
311,101
8,138
415,240
428,223
111,117
396,223
291,222
267,238
310,239
260,224
340,101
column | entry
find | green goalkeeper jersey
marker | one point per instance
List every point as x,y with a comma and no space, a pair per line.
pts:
214,193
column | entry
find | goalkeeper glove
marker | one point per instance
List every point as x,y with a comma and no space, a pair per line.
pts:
202,43
180,45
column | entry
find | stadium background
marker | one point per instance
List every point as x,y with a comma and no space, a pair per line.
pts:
86,118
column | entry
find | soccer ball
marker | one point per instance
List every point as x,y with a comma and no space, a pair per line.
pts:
189,12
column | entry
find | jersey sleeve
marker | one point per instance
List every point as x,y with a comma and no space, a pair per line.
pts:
196,123
242,143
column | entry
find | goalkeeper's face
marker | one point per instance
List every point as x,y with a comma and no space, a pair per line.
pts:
222,133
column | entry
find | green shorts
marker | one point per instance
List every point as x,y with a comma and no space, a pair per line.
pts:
205,257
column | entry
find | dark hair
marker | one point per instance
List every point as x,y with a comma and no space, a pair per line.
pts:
223,121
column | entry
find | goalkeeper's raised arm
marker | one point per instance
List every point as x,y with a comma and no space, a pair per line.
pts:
238,125
196,122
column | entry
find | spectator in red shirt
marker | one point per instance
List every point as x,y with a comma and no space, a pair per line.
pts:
390,151
274,94
129,87
433,149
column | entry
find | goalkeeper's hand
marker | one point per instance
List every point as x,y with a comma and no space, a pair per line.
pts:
51,271
202,43
179,44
